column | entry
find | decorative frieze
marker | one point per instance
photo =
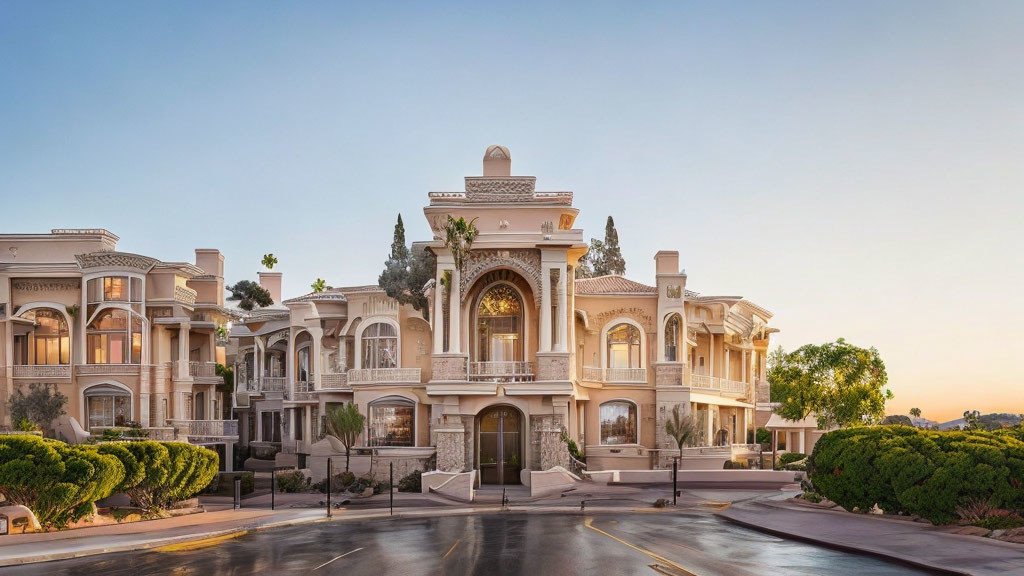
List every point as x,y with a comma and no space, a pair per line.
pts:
115,260
638,314
503,189
186,296
45,284
524,262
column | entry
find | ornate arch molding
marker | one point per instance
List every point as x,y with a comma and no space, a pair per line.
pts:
526,263
638,315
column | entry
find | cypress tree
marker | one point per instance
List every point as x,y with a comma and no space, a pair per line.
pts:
612,263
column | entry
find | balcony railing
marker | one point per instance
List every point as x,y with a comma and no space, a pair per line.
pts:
207,428
202,369
718,384
334,381
107,369
42,371
615,375
501,371
272,384
384,375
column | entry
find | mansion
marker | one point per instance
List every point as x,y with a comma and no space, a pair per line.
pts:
514,358
131,341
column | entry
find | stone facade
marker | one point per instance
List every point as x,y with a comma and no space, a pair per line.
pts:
449,367
668,374
552,366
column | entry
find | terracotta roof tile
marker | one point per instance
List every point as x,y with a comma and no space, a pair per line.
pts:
612,284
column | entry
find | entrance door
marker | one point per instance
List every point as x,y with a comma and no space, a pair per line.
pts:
499,444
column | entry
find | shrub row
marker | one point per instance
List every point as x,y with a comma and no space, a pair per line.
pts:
60,483
924,472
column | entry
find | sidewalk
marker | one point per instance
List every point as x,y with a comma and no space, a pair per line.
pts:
905,541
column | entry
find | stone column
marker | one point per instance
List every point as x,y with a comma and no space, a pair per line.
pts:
728,362
438,313
454,313
545,310
746,366
710,427
800,442
562,315
711,354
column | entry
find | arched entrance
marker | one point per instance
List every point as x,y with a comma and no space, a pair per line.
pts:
499,433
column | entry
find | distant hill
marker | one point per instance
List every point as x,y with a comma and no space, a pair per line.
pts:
986,421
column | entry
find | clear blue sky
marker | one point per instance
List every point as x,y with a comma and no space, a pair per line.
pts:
855,167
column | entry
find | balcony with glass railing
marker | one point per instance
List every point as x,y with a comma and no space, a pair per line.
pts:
509,371
615,375
366,376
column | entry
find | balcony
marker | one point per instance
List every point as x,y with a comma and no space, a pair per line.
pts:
717,384
201,429
202,369
334,381
107,369
42,371
272,384
384,376
615,375
501,371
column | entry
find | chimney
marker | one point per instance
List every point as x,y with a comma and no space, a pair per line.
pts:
666,262
272,282
211,261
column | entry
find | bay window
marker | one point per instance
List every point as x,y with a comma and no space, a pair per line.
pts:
114,337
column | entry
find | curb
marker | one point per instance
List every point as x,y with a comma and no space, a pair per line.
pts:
844,547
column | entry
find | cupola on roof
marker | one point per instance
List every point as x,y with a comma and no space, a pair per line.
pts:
497,162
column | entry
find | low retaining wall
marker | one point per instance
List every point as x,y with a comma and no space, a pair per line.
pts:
553,481
455,485
717,476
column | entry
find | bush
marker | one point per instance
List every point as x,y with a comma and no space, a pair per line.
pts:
763,437
736,465
924,472
797,465
133,470
59,483
997,522
790,457
173,471
341,481
291,481
411,482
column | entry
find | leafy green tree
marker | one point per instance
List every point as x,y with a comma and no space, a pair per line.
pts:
318,286
612,261
269,260
915,412
897,420
406,272
680,427
592,261
346,423
226,386
250,295
971,418
844,385
43,404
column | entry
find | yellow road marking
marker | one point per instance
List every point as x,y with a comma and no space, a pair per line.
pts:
589,523
451,549
197,544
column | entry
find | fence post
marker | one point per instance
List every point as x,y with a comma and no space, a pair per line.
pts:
273,489
675,479
392,488
238,492
330,481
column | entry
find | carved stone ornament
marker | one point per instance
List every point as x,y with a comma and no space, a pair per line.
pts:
637,314
524,262
115,260
45,284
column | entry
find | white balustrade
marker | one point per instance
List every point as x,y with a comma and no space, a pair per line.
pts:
502,371
384,375
615,375
42,371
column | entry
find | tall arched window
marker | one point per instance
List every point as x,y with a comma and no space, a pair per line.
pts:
499,325
114,337
392,422
107,406
623,342
673,327
618,422
46,342
380,346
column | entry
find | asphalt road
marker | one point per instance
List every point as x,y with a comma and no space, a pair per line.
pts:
525,544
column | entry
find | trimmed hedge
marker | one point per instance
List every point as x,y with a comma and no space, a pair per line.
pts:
790,457
924,472
59,483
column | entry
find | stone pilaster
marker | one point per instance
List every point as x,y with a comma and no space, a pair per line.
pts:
552,366
448,367
546,440
450,438
668,374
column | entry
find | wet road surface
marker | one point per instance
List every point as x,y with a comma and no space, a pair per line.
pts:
520,544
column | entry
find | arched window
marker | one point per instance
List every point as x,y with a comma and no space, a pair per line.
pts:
114,337
618,422
673,327
107,406
380,346
499,325
392,422
624,347
46,342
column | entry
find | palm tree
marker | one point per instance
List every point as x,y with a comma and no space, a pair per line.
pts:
915,412
458,237
319,285
680,428
269,260
345,423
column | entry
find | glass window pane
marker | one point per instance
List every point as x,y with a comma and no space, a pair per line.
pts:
391,425
618,423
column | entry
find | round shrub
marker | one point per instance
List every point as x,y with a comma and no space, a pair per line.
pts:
293,481
790,457
411,482
133,470
923,472
59,483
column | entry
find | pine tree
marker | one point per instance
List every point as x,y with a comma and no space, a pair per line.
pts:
406,271
612,261
392,279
